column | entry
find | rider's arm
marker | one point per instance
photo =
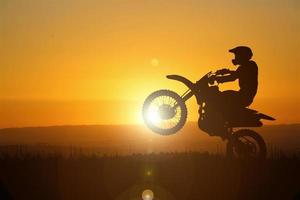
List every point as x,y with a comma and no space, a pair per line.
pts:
224,71
233,75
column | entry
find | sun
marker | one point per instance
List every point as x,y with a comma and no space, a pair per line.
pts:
153,116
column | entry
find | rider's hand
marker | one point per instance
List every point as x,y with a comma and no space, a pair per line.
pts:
222,71
211,79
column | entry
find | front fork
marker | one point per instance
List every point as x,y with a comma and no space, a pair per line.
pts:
186,96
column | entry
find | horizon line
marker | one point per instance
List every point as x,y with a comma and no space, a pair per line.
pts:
120,124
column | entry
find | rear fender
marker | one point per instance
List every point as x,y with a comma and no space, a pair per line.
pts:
263,116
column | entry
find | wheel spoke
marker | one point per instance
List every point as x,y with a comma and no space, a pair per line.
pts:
246,147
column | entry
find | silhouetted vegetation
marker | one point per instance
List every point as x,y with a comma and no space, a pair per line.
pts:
171,176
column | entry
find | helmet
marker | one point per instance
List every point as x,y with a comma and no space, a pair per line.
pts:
242,52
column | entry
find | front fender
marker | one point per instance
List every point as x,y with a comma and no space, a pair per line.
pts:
183,80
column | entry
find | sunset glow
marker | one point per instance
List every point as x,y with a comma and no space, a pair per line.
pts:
94,62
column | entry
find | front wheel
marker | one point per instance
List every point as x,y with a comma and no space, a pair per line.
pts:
246,144
164,112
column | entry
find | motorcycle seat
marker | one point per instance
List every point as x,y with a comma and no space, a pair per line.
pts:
245,123
244,117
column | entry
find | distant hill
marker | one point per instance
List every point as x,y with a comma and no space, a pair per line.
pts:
137,138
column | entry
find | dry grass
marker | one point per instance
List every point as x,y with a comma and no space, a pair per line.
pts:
171,176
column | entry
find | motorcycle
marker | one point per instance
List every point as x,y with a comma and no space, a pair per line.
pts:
165,112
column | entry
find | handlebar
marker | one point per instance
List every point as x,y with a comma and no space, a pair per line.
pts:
194,88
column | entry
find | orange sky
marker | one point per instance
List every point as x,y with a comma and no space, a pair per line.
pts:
94,62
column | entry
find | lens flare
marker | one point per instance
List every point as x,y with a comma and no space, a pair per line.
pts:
147,194
154,62
149,172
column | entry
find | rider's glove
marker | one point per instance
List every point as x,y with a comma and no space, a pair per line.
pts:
222,71
211,79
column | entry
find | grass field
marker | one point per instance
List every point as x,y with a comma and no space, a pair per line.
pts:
171,176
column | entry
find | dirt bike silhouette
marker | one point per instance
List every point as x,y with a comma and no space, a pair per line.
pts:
165,113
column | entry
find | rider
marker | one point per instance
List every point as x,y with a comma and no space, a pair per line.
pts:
246,74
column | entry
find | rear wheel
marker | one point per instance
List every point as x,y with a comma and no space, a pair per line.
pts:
247,145
164,112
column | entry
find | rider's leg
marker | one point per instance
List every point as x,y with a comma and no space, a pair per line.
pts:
213,121
226,102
